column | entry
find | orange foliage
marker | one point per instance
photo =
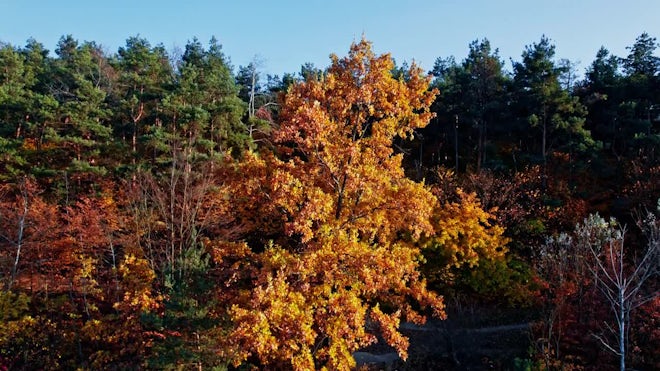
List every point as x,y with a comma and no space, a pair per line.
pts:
108,270
464,232
343,215
316,243
27,228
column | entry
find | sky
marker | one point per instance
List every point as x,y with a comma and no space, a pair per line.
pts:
284,34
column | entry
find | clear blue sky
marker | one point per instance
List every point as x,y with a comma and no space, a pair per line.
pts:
285,34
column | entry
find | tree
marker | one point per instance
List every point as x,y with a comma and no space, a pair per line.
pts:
14,98
604,71
542,103
447,75
173,199
641,91
248,80
641,60
484,88
111,285
568,76
27,223
259,98
27,108
309,71
201,124
203,110
601,94
567,283
464,233
342,215
472,101
88,281
467,250
594,259
227,129
622,279
81,130
144,73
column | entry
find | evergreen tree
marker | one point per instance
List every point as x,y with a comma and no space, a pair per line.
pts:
641,60
14,99
484,87
145,76
82,130
600,92
641,86
549,117
472,102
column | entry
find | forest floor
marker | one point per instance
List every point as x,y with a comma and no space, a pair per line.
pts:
454,344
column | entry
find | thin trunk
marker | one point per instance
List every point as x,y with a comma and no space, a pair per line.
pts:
172,206
134,141
420,164
480,147
251,106
484,158
185,221
136,118
19,241
456,142
543,150
213,144
622,333
340,198
40,142
77,333
114,270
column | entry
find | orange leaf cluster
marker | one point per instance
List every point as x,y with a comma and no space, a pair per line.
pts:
465,234
343,216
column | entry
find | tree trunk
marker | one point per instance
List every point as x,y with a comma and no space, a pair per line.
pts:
543,151
456,142
480,146
21,231
622,332
251,104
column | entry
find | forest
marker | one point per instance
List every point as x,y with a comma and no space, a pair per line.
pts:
163,210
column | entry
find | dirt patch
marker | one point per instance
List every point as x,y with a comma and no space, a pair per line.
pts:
444,345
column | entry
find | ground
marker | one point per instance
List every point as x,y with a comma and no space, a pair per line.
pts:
459,343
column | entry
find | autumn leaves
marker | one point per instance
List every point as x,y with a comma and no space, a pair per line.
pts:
349,222
292,255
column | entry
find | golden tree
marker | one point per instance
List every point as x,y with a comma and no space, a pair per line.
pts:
343,217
